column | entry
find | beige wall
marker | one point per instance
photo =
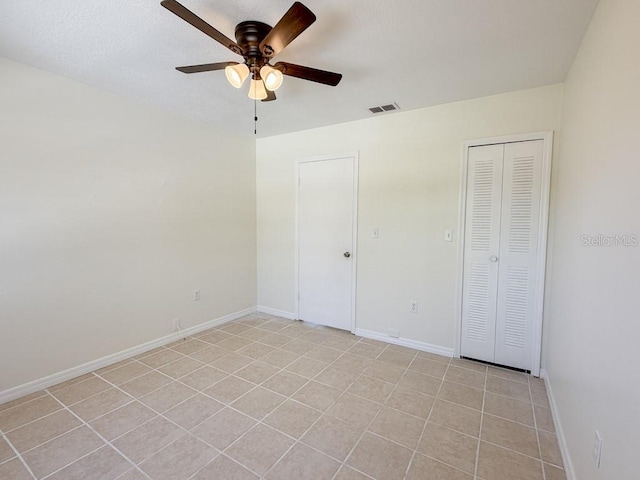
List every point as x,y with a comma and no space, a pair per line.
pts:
408,188
111,215
594,301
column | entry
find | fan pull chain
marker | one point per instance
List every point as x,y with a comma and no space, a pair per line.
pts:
255,117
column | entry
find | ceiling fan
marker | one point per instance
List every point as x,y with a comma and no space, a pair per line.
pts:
258,43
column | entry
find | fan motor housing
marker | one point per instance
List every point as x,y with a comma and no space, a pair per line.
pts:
249,34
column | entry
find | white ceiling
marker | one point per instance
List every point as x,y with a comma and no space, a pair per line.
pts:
414,52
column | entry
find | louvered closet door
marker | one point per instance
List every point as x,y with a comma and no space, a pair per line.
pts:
482,244
520,224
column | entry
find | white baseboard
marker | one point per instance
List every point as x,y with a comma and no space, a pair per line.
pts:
405,342
277,313
562,443
48,381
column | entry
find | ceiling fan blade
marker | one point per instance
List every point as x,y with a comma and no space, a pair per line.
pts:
206,67
190,17
270,96
308,73
297,19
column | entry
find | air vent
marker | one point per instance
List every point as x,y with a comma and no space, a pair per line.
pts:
390,107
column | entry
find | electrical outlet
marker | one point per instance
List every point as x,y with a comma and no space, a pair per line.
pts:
394,333
414,306
196,295
375,233
597,449
176,324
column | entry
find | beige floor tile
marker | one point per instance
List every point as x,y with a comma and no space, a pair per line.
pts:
210,355
510,435
411,402
224,428
113,366
189,346
402,349
203,377
463,376
495,462
544,419
302,462
125,373
257,372
229,389
380,458
317,395
6,452
72,381
276,340
193,411
272,326
340,343
33,434
366,350
256,350
27,412
549,448
348,473
21,400
285,383
354,410
397,426
100,404
147,383
298,346
384,371
336,377
509,408
254,334
258,403
232,362
554,473
149,353
133,474
450,447
181,367
333,436
314,336
293,331
234,328
167,397
434,357
428,367
14,470
61,451
539,397
161,358
424,468
469,365
147,439
292,418
462,395
420,383
223,468
260,448
280,358
307,367
82,390
180,460
122,420
371,389
103,464
508,374
234,343
456,417
516,390
353,363
396,358
324,354
214,336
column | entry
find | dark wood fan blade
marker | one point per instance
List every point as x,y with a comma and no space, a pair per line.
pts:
190,17
308,73
297,19
206,67
270,96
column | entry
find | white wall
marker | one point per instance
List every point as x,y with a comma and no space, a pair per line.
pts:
594,301
408,188
111,215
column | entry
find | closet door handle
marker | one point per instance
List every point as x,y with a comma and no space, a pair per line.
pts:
493,258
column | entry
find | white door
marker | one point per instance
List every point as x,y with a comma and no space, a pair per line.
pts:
501,252
326,239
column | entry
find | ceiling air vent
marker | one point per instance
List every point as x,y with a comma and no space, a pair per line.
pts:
384,108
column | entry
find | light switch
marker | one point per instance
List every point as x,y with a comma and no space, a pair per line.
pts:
374,233
448,235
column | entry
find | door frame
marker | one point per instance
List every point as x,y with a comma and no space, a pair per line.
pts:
538,308
354,226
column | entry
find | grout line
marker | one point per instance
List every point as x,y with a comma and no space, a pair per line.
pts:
484,396
535,423
18,455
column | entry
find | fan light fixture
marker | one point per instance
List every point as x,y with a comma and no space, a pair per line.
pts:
272,77
237,74
257,90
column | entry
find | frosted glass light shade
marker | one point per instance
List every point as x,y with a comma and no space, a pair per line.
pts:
237,74
257,90
272,78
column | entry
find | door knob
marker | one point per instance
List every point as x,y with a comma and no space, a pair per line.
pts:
346,254
493,258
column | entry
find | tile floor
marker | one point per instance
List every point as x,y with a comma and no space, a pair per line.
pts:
263,397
